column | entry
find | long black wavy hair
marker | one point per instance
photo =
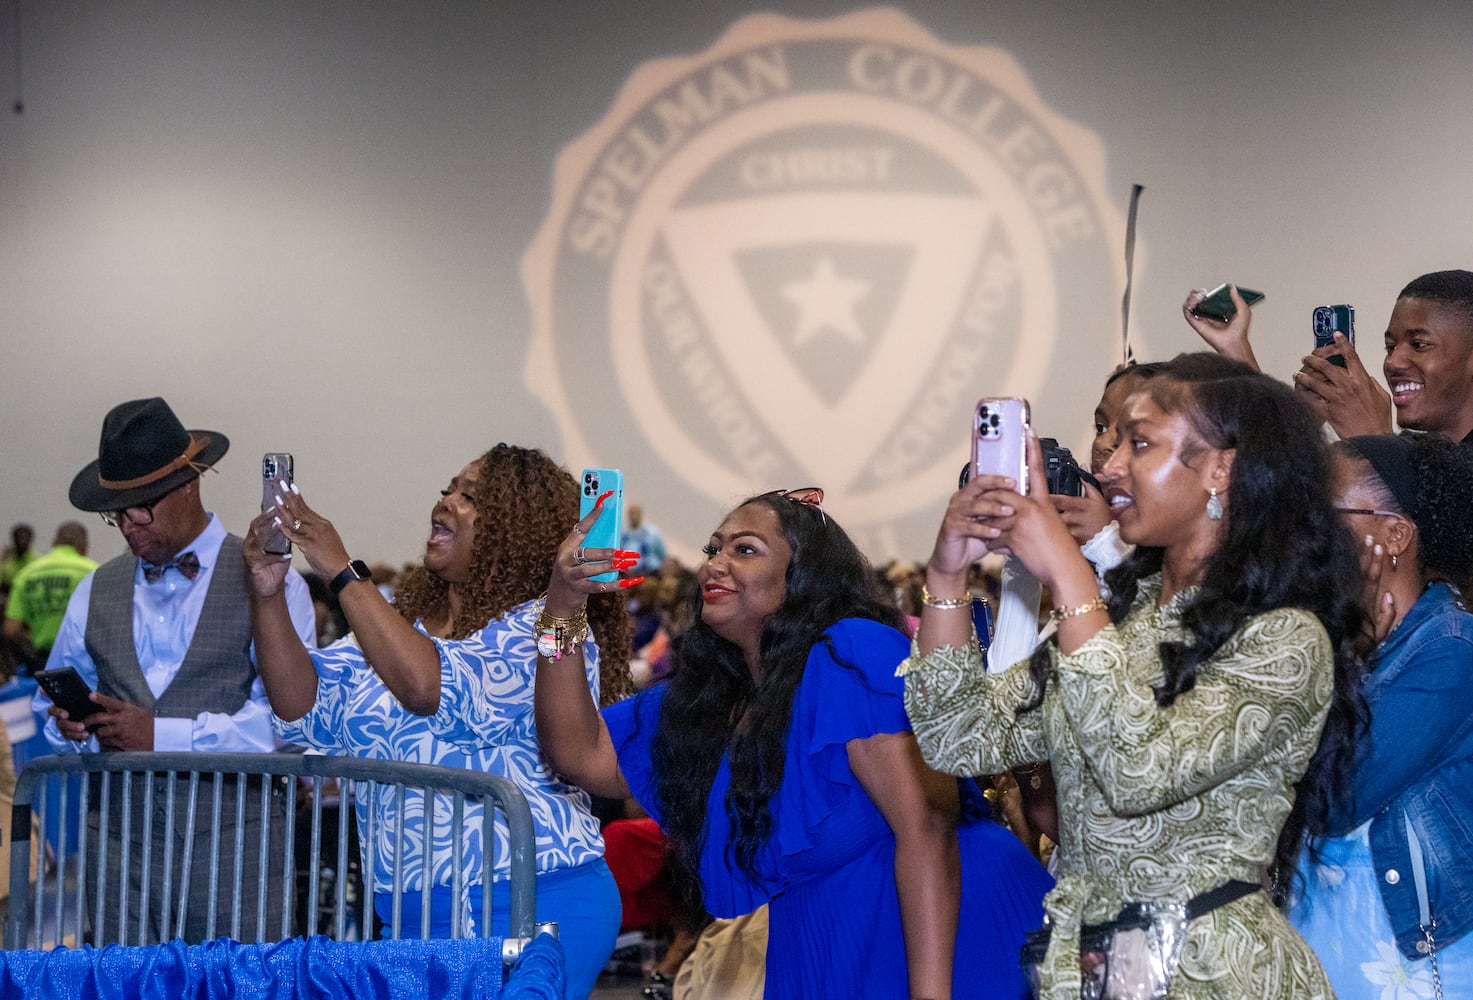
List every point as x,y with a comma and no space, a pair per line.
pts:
712,706
1283,546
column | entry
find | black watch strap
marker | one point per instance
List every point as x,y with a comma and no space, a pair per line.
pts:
357,569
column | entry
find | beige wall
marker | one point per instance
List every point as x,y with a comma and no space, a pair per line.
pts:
304,225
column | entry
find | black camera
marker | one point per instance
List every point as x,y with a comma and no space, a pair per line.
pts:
1065,477
1064,474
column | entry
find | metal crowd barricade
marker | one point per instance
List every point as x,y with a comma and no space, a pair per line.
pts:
54,910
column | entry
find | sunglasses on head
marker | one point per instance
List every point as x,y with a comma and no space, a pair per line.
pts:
808,496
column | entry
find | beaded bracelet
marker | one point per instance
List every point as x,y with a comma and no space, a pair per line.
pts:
945,603
556,636
1059,614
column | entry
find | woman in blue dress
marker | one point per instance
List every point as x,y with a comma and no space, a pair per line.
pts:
780,763
1386,897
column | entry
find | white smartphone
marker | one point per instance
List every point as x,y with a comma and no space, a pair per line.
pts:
605,531
1000,439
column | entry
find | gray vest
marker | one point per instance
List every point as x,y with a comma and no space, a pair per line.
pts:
217,671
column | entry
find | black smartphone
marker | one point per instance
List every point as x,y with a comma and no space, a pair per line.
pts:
1330,320
277,472
1218,304
68,691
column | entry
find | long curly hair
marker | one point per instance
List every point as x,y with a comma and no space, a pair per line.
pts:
1282,546
525,506
712,706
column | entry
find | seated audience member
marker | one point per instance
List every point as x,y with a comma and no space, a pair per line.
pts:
162,635
778,759
1143,701
444,676
1387,895
1428,367
39,594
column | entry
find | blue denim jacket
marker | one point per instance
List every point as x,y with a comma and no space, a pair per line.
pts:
1414,770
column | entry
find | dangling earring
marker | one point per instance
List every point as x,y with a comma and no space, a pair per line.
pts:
1393,562
1214,505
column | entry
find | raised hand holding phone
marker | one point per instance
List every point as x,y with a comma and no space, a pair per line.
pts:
1223,330
603,488
1000,432
1325,322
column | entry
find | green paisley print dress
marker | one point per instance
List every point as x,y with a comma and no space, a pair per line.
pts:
1154,803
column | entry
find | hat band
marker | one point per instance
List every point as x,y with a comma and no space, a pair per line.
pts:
196,444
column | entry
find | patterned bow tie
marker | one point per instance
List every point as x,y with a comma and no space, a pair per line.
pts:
188,564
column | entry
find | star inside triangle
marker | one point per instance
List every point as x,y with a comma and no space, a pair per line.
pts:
826,302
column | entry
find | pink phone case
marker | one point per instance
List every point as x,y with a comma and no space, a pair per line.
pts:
1000,439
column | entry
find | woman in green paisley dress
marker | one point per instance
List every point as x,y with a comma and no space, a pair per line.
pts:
1182,713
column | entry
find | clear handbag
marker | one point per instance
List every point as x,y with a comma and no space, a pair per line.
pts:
1134,956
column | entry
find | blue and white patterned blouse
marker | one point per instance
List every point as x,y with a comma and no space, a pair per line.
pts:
484,723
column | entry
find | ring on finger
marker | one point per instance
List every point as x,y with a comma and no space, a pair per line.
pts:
297,525
578,557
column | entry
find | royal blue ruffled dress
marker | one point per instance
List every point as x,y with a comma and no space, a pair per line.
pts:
828,871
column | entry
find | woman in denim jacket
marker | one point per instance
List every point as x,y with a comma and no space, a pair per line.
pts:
1387,895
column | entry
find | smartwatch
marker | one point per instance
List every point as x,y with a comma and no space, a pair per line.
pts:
357,570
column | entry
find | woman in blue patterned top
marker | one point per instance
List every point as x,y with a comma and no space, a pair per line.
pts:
444,676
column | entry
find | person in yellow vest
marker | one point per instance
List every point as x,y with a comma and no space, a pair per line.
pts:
39,593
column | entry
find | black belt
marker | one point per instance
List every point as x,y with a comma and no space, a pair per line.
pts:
1205,902
1093,937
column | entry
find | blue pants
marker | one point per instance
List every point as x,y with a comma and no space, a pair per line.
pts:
584,901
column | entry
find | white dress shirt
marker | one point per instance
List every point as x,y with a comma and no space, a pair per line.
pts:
165,613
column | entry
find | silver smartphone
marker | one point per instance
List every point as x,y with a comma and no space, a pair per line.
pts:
277,471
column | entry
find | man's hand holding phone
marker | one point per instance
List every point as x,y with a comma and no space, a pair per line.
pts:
71,729
117,724
1227,336
1349,399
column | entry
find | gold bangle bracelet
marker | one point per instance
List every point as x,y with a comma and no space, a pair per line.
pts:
945,603
1060,613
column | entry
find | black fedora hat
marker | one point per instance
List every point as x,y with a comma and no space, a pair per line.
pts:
145,452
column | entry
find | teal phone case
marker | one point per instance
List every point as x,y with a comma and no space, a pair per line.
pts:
605,531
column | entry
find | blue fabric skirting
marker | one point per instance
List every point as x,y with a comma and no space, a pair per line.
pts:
583,901
464,969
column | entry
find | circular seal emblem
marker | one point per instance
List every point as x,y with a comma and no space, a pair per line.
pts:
799,257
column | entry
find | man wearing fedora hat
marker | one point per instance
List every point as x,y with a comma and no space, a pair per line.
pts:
162,634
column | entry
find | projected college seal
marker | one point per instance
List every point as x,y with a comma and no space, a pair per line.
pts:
800,256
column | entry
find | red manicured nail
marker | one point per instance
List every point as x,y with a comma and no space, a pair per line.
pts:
623,564
598,505
633,581
625,554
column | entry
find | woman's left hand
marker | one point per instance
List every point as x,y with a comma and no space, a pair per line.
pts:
575,567
1035,532
1379,605
313,535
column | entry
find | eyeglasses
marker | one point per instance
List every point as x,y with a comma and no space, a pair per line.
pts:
1368,510
808,496
138,516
